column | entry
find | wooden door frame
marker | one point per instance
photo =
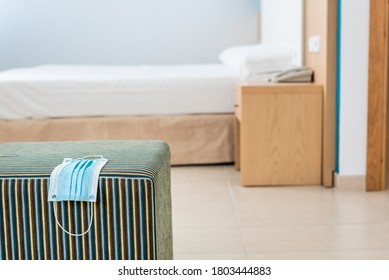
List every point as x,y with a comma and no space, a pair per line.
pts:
320,19
376,163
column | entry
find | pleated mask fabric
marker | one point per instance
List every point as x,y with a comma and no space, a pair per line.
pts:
76,179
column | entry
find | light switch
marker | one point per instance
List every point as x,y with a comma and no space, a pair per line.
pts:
314,44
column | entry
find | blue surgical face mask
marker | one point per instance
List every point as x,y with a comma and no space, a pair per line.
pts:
76,179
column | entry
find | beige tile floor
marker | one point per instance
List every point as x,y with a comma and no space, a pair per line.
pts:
214,217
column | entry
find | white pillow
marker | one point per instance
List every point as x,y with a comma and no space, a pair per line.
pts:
254,60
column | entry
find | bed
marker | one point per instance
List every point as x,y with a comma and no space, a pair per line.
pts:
188,106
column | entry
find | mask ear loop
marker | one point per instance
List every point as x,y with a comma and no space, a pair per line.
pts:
73,234
92,156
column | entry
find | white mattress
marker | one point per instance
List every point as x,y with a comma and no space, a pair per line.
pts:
56,91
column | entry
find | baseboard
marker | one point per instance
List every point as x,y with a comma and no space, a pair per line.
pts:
350,183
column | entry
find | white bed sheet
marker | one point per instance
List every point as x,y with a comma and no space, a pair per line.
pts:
56,91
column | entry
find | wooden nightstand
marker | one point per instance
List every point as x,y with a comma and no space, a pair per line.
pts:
278,133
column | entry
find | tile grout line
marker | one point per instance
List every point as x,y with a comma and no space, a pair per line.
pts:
235,211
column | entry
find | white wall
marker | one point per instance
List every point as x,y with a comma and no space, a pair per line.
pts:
123,31
354,87
282,23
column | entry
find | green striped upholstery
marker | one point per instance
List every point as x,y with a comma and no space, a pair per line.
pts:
131,218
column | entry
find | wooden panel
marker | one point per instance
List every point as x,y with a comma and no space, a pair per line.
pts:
237,144
321,20
377,103
238,102
276,88
281,135
238,118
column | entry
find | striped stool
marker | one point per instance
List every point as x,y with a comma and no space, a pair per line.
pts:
131,218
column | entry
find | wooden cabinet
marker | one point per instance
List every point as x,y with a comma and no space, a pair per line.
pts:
278,139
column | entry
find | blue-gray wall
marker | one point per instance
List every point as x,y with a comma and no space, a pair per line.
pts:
36,32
